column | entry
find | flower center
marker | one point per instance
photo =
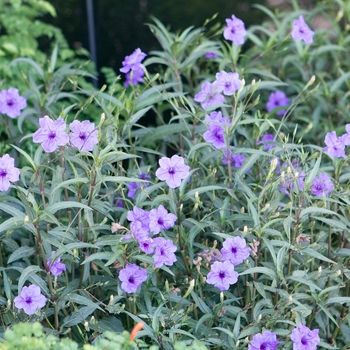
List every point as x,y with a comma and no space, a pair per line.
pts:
162,252
3,173
222,274
171,171
82,136
263,346
160,222
28,300
10,103
52,135
234,250
131,279
303,341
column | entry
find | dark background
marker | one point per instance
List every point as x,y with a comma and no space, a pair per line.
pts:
120,24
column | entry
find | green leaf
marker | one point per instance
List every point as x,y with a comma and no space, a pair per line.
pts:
338,300
263,270
27,272
20,253
53,208
81,300
79,316
317,255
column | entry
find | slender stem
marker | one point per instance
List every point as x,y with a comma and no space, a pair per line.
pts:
69,210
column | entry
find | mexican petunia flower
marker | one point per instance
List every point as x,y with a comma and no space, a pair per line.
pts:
134,77
301,31
56,268
133,61
160,219
235,160
51,134
8,172
265,341
132,276
147,245
139,226
209,96
172,170
235,30
164,252
235,250
222,275
304,338
277,99
134,186
11,102
30,299
346,137
228,83
211,55
335,145
217,127
266,141
84,136
322,185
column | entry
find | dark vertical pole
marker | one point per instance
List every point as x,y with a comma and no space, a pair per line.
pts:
92,34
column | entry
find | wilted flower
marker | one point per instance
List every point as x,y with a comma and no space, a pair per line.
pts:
335,145
322,185
235,250
301,31
304,339
84,136
30,299
164,252
11,102
56,268
160,219
132,277
133,61
172,170
235,30
277,99
266,140
222,275
51,134
8,172
228,83
209,95
265,341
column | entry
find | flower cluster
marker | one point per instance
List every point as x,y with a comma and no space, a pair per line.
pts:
11,103
290,175
210,94
222,273
8,172
217,129
133,68
172,170
235,160
52,134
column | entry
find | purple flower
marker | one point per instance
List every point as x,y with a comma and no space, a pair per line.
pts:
51,134
265,341
133,61
217,129
211,55
160,219
222,274
134,77
227,83
132,277
301,31
139,226
236,160
164,252
265,140
132,188
235,30
322,185
277,99
147,245
235,250
11,102
84,136
209,96
335,145
346,137
30,299
304,339
8,172
288,183
56,268
172,170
